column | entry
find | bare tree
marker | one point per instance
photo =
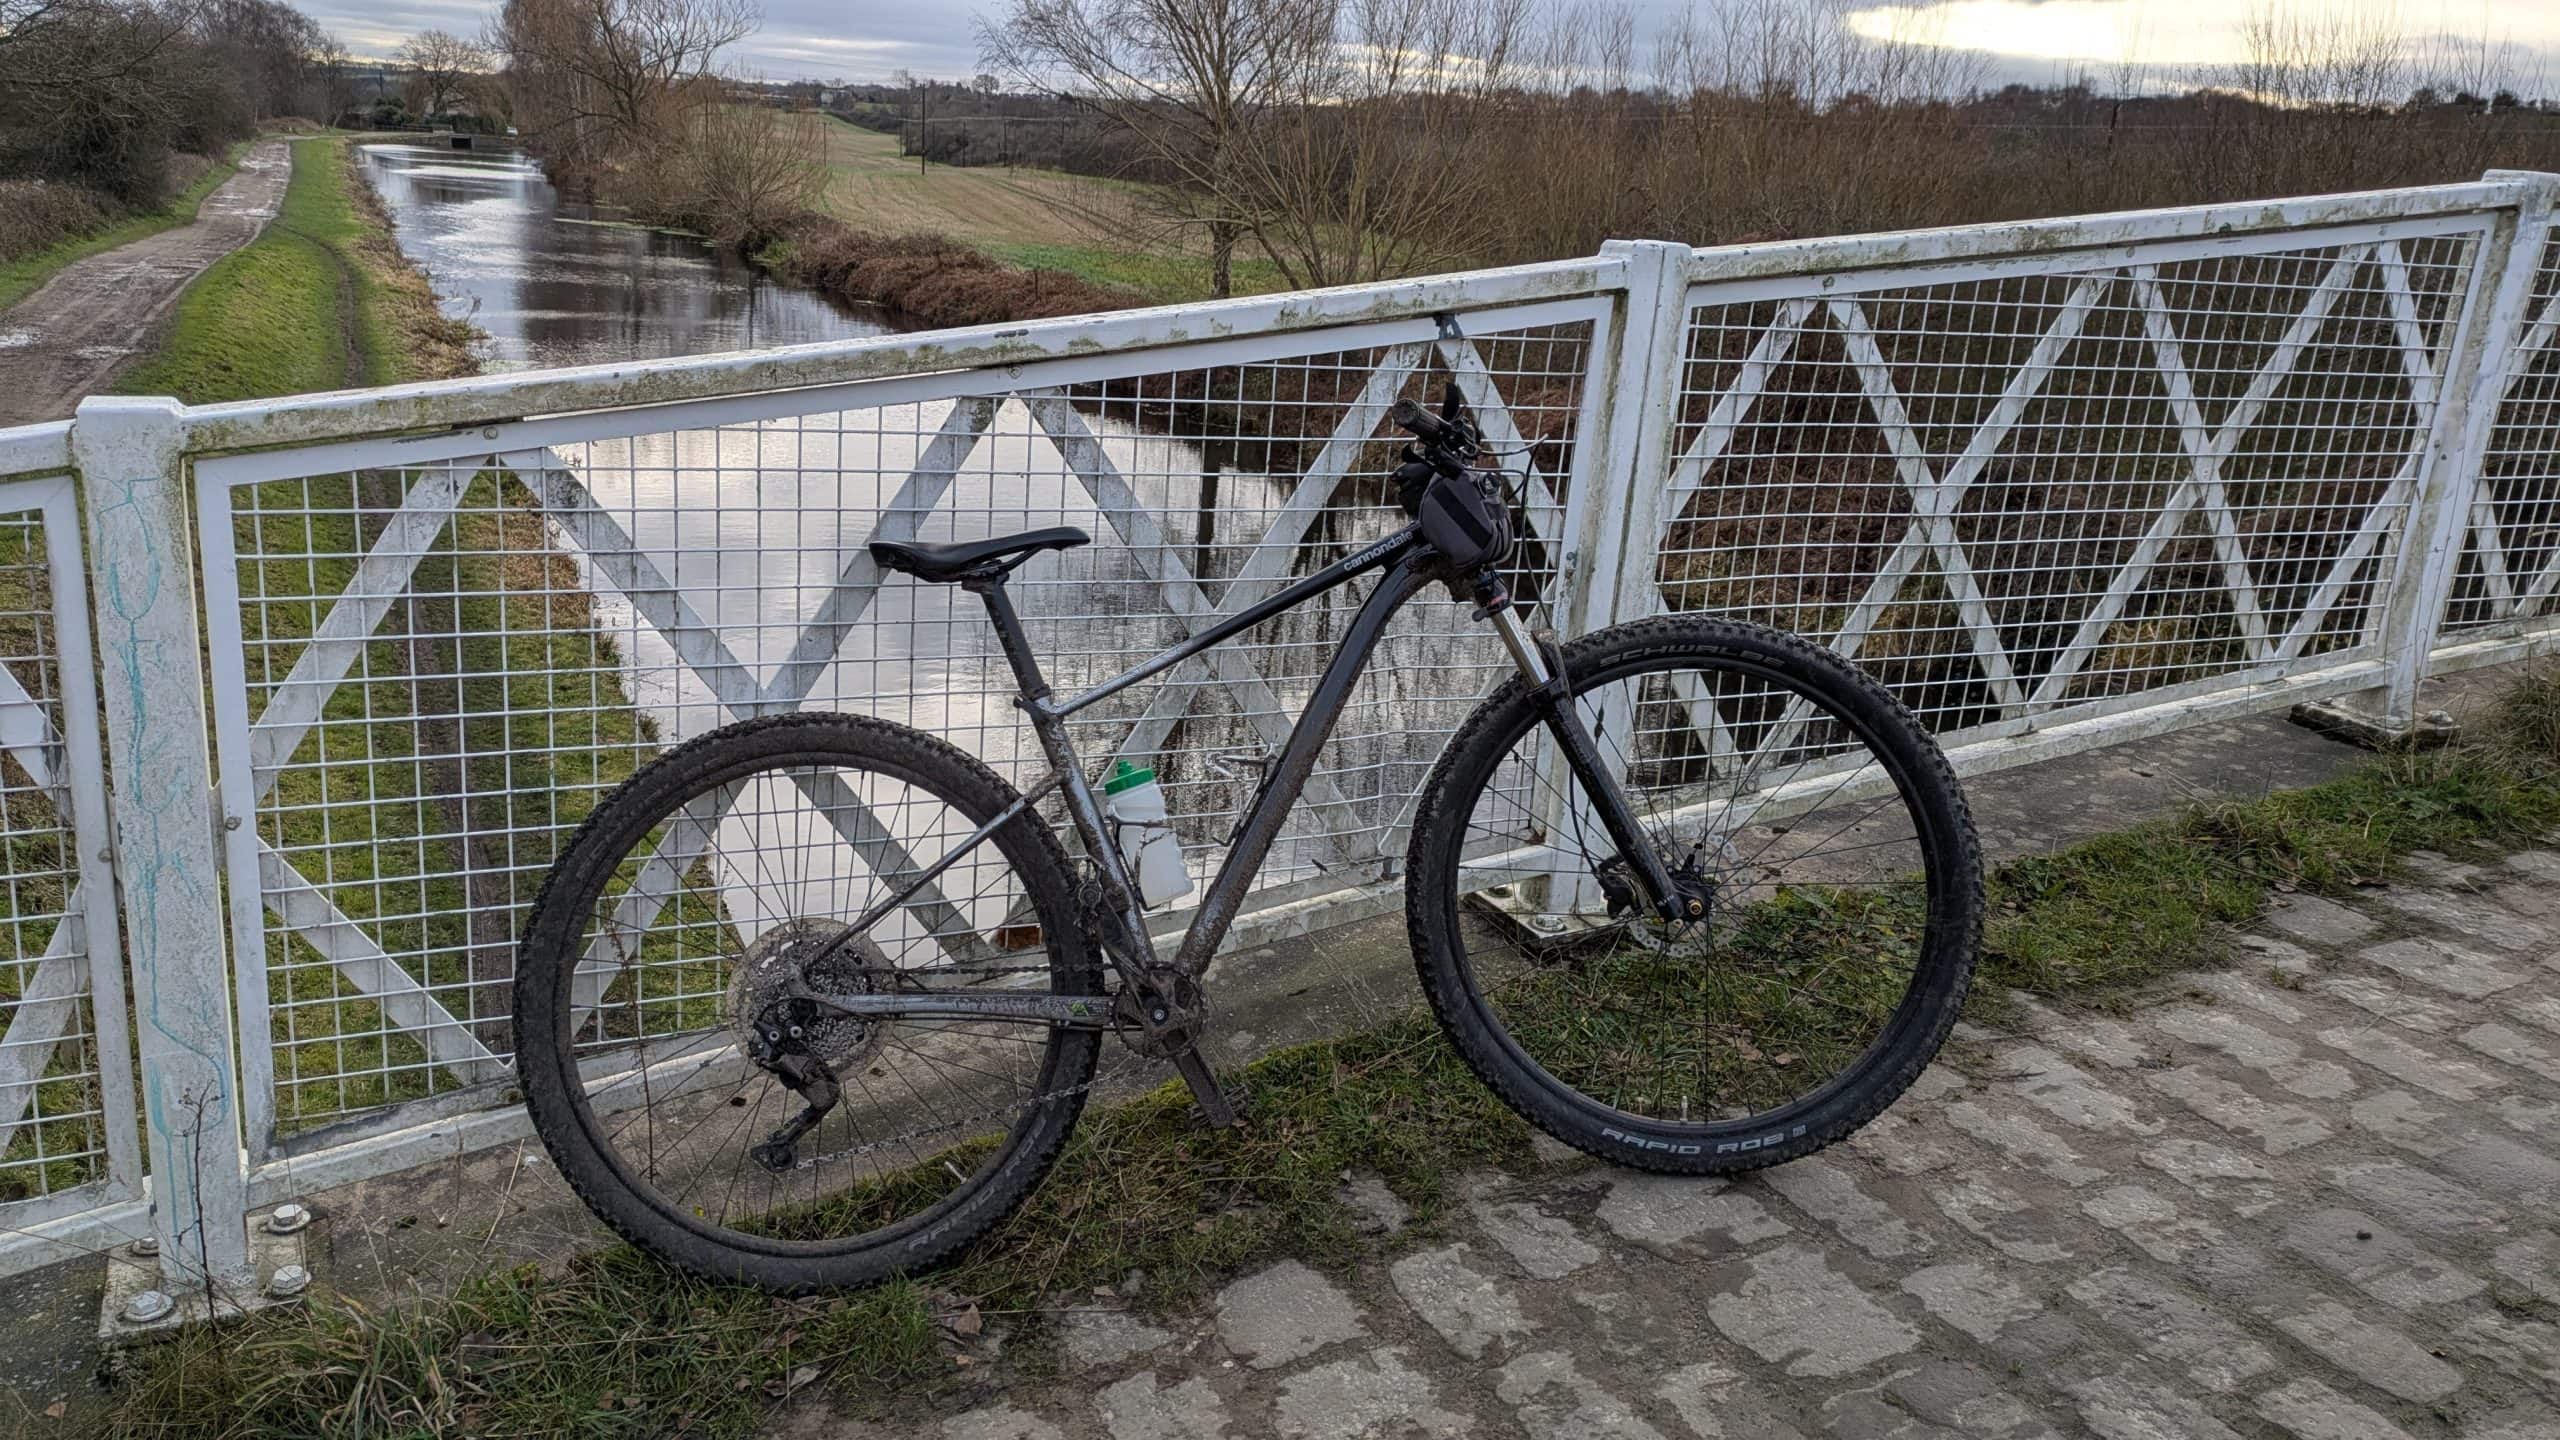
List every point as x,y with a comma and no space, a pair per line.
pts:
1380,148
1187,79
595,81
336,81
444,66
746,172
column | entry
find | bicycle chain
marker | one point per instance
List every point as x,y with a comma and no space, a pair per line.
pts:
830,1157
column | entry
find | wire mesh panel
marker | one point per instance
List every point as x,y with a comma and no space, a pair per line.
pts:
67,1107
443,667
2030,487
2511,561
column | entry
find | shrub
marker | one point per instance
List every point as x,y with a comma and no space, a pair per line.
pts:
934,280
38,215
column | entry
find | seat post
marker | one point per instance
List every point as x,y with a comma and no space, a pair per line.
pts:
989,587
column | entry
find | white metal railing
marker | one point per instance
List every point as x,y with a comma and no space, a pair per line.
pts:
2058,484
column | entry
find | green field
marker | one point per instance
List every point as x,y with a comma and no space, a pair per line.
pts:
1037,219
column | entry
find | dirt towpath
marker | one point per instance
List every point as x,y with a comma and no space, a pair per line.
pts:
68,339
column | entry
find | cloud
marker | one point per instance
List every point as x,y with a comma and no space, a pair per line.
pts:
817,39
2030,40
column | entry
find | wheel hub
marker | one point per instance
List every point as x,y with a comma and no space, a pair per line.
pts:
783,961
1695,881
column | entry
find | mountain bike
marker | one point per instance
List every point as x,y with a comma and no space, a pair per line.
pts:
815,999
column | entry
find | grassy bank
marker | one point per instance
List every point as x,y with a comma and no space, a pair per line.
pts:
20,277
610,1345
477,724
319,301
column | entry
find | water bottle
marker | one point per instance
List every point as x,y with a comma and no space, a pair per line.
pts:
1144,832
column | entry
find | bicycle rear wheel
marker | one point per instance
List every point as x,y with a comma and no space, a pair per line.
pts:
1818,823
685,907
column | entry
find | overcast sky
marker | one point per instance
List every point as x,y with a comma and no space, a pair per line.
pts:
2032,40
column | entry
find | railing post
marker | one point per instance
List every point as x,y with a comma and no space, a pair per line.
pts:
1639,405
1616,498
142,581
2429,556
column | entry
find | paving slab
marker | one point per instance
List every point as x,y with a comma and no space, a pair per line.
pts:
2240,1207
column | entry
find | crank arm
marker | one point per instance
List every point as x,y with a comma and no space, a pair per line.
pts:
1216,1110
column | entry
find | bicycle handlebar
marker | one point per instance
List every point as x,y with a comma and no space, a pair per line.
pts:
1429,427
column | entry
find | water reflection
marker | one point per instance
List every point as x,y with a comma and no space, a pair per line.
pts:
757,527
554,285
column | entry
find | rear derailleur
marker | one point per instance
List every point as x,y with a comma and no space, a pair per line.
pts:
775,1045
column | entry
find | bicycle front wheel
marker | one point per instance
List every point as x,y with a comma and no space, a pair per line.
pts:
1807,809
689,905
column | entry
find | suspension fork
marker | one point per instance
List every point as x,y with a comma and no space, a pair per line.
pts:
1541,667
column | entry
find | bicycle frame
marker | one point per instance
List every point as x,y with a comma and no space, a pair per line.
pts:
1409,565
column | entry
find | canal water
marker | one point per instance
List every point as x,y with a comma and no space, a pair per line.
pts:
553,283
754,523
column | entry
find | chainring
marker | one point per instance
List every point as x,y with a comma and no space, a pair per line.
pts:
765,975
1186,1014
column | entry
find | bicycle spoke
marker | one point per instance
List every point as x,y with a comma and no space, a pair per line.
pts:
764,913
1814,925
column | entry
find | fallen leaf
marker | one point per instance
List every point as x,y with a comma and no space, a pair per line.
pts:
800,1375
967,1322
55,1410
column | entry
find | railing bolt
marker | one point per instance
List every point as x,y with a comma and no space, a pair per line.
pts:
148,1306
230,822
1548,924
144,1248
287,1218
288,1281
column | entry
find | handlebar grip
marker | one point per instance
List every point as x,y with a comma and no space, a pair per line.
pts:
1409,416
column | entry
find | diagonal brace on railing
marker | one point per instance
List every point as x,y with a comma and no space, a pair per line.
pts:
1265,570
2203,460
1935,499
40,1017
1256,702
2537,337
608,546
